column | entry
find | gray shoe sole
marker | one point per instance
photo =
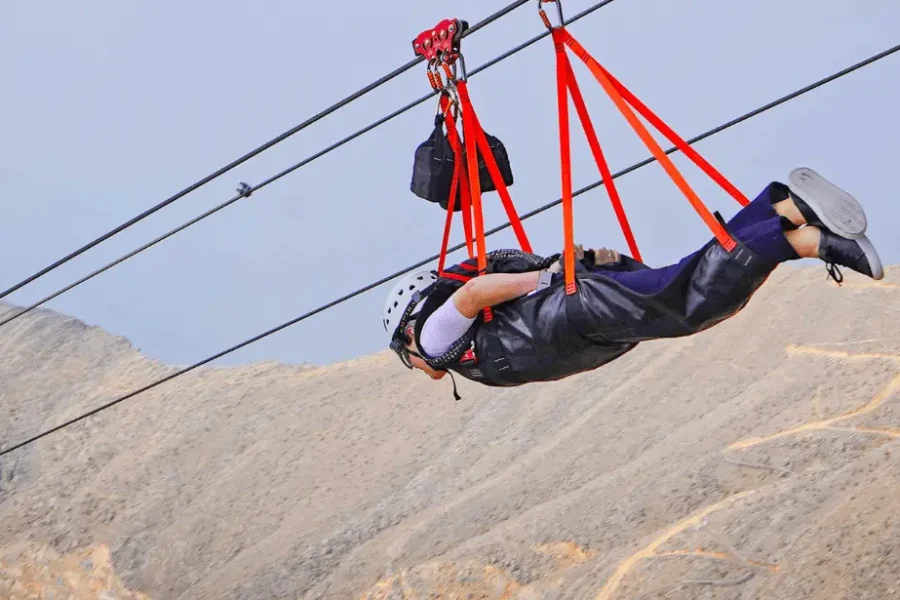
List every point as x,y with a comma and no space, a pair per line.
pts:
872,256
839,211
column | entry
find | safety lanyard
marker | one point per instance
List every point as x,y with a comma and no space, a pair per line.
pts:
440,46
625,101
459,186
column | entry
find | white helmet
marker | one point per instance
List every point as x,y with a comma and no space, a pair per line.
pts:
402,295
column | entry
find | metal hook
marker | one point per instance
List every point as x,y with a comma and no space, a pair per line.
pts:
446,71
454,98
559,12
453,95
462,64
434,75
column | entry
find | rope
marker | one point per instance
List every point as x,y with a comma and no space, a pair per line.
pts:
360,291
246,191
195,186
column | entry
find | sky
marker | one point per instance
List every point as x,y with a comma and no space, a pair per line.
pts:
110,107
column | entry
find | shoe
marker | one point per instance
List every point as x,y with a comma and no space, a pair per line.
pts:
826,206
857,254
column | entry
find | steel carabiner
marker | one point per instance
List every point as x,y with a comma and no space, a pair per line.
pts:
546,19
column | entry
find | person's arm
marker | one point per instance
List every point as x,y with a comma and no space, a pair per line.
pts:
492,289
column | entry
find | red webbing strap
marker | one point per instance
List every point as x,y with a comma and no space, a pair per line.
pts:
466,197
466,214
490,162
714,225
676,139
474,181
451,205
565,157
457,186
599,158
457,277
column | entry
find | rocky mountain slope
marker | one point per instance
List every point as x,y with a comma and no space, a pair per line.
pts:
758,460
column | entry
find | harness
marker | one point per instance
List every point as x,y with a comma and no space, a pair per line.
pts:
447,178
454,169
465,357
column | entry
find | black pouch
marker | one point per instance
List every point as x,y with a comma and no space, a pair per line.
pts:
433,165
502,158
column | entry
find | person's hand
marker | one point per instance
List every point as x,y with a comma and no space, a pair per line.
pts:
605,256
557,267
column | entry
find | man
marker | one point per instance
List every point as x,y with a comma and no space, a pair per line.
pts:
536,332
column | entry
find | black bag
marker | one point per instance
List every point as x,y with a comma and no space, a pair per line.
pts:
433,167
502,159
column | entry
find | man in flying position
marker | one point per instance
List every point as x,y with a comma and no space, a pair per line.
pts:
536,332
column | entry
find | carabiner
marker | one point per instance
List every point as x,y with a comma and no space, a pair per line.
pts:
434,76
451,72
452,101
461,61
546,19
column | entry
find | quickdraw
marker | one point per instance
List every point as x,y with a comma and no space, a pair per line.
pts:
625,101
440,46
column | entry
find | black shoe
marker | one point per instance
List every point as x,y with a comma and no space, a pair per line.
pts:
859,255
826,206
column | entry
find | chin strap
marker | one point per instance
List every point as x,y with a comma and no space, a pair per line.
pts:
456,395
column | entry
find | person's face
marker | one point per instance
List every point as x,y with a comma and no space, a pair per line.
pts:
417,362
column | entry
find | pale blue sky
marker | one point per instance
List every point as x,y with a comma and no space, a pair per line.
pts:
110,107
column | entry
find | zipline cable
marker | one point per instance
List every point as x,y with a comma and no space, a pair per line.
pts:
195,186
250,190
360,291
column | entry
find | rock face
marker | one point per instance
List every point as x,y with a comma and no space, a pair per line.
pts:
759,460
41,572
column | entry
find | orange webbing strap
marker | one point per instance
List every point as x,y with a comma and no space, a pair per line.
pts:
474,182
714,225
457,277
593,142
566,163
464,192
676,139
465,195
491,163
603,166
475,139
451,205
457,186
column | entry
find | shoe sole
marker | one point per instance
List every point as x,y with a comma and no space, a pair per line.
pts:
872,256
839,211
